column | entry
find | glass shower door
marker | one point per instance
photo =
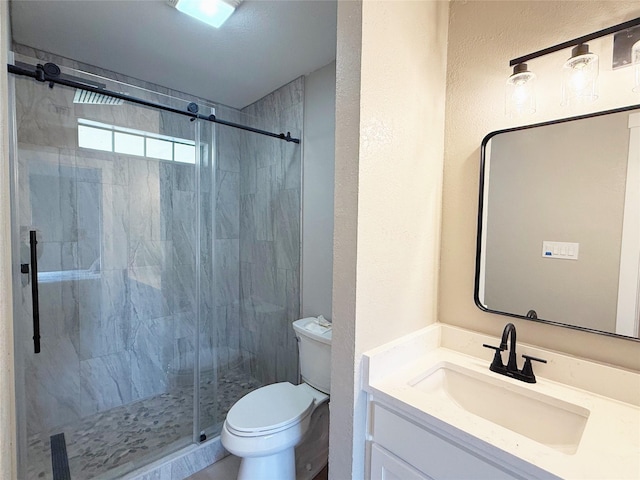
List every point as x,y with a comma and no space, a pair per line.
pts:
246,337
111,194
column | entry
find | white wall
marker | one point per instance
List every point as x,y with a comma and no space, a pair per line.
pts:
7,410
483,37
391,72
317,191
343,367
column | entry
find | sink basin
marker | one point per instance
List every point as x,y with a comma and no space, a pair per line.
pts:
544,419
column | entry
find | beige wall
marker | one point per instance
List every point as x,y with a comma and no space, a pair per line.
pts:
7,415
389,153
483,37
564,183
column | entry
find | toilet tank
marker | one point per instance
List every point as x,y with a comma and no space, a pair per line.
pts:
314,352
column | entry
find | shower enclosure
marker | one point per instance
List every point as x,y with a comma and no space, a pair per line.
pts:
167,255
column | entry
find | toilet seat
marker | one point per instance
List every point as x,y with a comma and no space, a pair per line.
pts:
269,410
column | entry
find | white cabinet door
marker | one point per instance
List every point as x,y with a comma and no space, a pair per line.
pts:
441,457
386,466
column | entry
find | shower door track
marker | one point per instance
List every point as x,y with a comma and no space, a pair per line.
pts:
50,73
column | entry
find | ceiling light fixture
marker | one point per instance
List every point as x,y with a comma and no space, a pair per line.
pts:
211,12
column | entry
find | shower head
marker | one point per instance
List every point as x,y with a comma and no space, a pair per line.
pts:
93,98
83,96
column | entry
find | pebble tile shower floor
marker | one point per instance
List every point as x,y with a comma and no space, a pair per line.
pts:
104,445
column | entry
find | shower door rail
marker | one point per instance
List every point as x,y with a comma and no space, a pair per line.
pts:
51,74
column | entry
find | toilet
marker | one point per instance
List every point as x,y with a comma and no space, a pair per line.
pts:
265,426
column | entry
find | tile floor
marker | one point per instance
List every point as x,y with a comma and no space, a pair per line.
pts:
227,469
111,443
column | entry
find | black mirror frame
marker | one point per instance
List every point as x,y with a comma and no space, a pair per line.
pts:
476,289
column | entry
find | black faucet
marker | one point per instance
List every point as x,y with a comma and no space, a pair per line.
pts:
511,369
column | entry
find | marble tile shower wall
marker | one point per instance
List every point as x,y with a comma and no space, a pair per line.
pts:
115,333
224,336
126,329
139,335
270,193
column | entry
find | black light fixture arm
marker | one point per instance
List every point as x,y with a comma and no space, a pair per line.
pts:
576,41
50,73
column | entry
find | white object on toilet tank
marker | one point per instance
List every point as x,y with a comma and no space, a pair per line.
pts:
314,346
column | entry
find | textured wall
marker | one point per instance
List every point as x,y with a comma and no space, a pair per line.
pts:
396,170
483,37
345,237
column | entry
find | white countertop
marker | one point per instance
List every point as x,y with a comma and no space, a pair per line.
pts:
610,444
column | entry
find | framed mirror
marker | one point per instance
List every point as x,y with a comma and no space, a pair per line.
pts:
559,223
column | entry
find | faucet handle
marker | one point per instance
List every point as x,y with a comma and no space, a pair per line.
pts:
527,369
536,359
496,364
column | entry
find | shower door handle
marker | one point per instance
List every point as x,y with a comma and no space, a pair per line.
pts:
33,242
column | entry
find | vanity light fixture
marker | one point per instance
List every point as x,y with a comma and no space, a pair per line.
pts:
520,94
579,76
211,12
580,71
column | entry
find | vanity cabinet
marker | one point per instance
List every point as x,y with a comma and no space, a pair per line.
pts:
436,411
386,466
402,448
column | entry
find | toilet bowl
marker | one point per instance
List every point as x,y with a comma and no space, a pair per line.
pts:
265,426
